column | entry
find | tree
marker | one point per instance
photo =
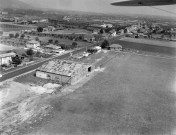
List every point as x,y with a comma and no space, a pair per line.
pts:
22,36
101,31
105,44
11,35
56,42
28,37
50,41
16,60
30,52
17,35
74,44
40,29
36,38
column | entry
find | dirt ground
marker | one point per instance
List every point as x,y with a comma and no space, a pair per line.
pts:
134,95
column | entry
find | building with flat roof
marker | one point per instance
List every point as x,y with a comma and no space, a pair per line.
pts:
6,58
63,72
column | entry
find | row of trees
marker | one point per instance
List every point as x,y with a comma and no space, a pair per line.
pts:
68,47
17,35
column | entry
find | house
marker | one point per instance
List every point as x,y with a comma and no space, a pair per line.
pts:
113,33
95,31
121,31
63,72
51,48
51,28
89,38
33,44
44,20
106,25
6,58
98,48
115,47
95,49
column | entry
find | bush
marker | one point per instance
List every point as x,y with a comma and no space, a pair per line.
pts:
40,29
30,52
105,44
17,35
11,35
4,65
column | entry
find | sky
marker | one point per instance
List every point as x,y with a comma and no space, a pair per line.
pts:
101,6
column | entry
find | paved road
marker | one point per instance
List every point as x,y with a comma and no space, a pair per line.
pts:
35,66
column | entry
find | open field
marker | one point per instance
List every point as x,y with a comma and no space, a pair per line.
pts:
14,27
71,31
151,42
133,95
144,45
6,48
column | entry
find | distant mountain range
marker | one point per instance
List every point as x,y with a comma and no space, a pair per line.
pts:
14,4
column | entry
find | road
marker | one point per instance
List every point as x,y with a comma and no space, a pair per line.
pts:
35,66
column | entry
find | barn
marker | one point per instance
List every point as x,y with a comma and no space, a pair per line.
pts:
63,72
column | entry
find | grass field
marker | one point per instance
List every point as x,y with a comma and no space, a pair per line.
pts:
6,27
134,95
71,31
151,42
163,47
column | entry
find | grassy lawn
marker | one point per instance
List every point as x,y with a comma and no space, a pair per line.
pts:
134,95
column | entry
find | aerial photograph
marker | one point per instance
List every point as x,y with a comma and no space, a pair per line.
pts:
87,67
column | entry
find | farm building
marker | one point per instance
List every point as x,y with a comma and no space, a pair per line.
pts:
115,47
63,72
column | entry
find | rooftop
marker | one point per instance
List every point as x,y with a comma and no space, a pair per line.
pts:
33,42
115,45
57,66
53,46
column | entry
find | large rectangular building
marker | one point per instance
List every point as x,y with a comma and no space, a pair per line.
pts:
63,72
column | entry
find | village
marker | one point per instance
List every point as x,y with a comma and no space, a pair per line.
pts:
73,73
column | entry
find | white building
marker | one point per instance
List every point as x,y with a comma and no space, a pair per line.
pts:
6,58
113,33
33,44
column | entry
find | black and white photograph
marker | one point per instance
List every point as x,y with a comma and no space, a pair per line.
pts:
87,67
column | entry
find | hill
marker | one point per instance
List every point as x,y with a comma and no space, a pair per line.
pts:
14,4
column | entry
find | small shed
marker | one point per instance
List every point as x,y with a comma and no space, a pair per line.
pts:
115,47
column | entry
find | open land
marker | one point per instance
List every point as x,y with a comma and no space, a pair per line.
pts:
163,47
133,95
6,48
6,27
151,42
